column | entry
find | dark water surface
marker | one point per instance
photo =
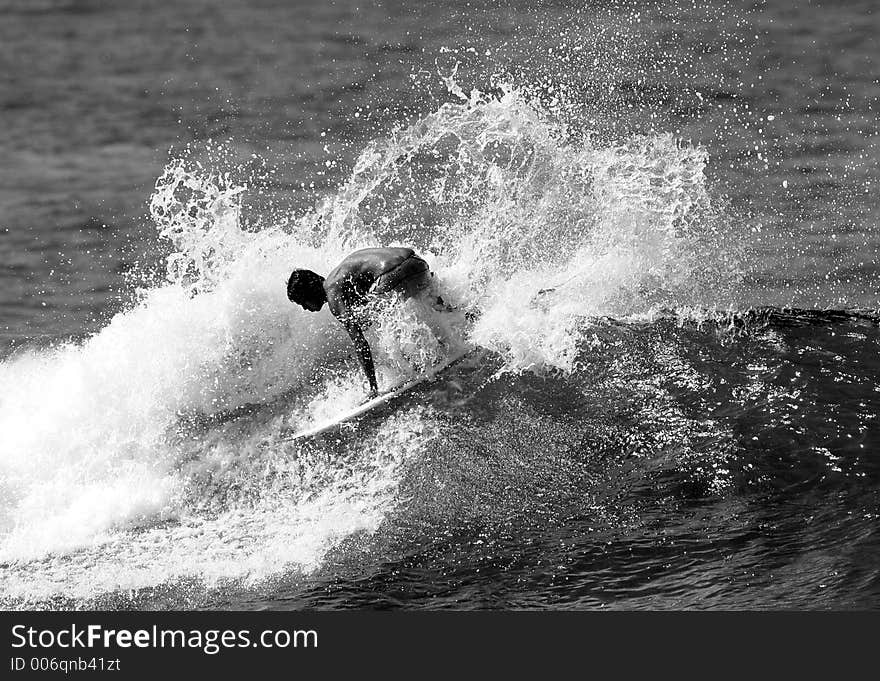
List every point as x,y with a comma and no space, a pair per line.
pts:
688,421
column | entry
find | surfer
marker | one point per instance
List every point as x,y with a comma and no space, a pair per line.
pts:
352,283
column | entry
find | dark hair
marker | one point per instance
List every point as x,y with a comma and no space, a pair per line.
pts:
304,285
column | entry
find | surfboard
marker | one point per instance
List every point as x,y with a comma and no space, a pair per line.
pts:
384,398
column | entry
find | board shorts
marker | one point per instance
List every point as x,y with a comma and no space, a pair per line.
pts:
409,278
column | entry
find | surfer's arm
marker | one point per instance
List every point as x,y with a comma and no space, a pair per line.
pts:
363,352
339,298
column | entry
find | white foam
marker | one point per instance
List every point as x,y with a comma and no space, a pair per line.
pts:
103,487
303,506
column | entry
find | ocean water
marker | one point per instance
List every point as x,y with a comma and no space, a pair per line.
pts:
657,222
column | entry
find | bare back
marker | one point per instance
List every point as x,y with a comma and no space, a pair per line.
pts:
349,283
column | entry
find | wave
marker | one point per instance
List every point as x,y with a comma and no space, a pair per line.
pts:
152,452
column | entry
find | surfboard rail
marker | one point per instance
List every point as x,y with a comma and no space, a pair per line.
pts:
378,401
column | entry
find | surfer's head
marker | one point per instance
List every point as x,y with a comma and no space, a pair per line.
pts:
306,289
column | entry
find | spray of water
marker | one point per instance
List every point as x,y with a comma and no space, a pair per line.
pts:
153,451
